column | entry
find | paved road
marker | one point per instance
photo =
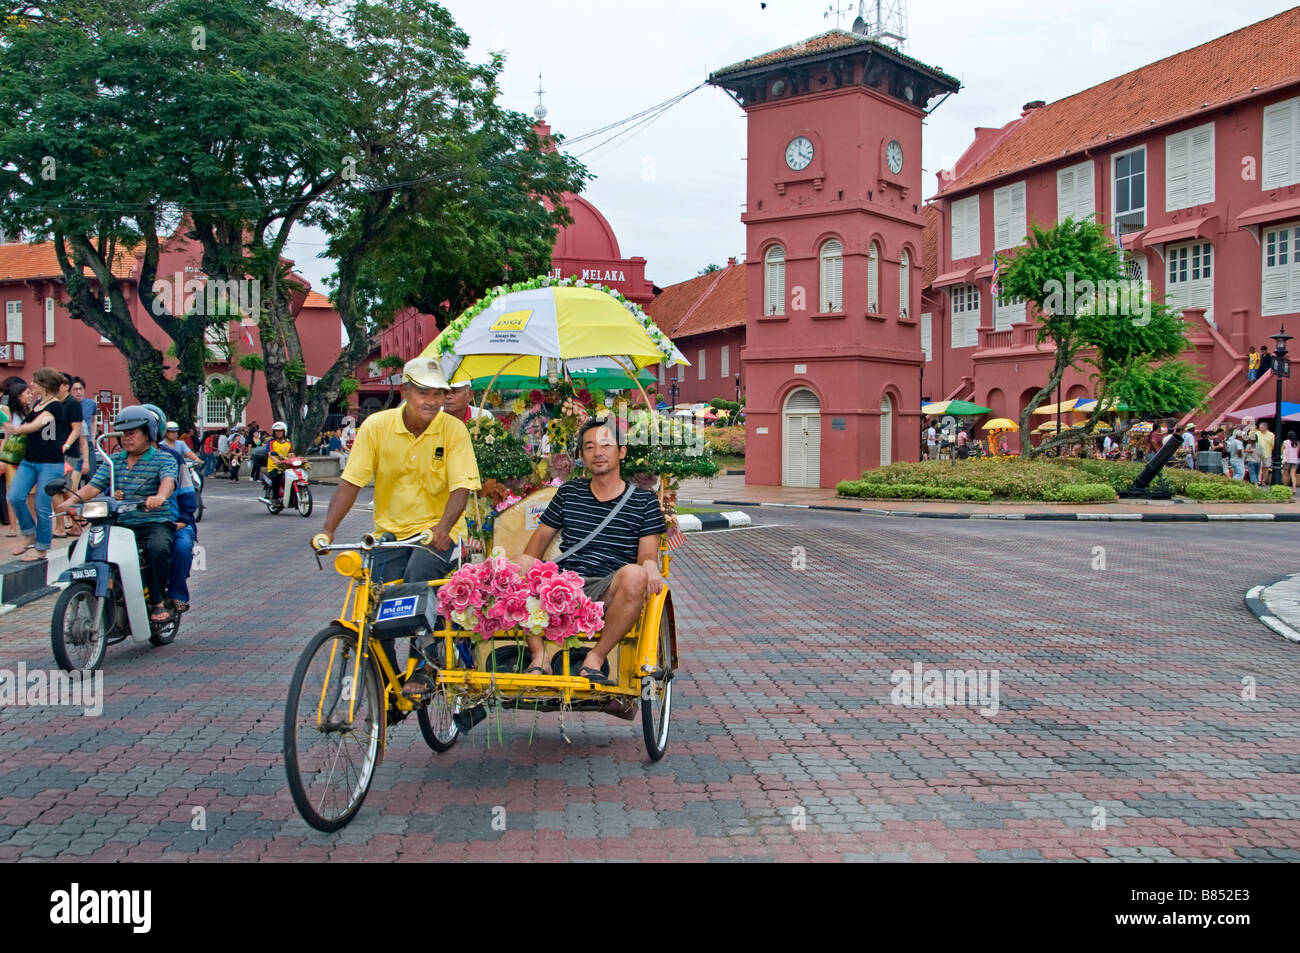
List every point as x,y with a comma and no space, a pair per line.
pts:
1120,731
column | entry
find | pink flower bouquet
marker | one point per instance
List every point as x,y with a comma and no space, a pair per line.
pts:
492,596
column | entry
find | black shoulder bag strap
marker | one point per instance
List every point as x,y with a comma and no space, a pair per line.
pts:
622,502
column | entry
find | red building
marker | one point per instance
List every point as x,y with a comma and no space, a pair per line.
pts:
834,221
705,317
39,332
1193,161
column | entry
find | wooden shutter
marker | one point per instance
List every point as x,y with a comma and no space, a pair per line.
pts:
904,284
927,336
832,277
1066,190
1177,172
1280,146
1276,294
700,364
966,227
1018,227
873,279
774,283
1202,165
1001,218
14,321
886,431
725,368
49,320
793,469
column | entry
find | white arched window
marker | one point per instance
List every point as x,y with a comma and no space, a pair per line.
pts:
873,279
774,280
887,429
214,412
904,283
832,259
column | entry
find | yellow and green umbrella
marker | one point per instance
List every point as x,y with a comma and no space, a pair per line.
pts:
1066,406
526,333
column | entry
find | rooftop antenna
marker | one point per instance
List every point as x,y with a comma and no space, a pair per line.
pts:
884,21
837,13
540,111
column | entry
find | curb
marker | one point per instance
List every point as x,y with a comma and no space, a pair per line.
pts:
21,583
703,522
1293,517
1259,608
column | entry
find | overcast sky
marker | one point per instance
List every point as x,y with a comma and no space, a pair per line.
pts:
673,190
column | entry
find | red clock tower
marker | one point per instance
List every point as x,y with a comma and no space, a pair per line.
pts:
833,218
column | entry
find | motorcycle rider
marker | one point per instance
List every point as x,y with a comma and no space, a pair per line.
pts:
280,451
424,469
186,500
140,469
173,440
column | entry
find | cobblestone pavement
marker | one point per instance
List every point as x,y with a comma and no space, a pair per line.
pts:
1142,713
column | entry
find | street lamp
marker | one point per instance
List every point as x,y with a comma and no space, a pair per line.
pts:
738,387
672,396
1281,369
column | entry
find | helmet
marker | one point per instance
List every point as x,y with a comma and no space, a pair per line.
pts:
158,415
279,425
137,417
173,425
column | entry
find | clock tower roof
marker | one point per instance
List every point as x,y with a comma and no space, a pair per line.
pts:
826,47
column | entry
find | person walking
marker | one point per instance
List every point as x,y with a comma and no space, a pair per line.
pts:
15,402
42,462
931,441
1265,361
1265,438
76,456
236,454
1290,459
88,411
1253,459
1236,453
1252,365
1189,446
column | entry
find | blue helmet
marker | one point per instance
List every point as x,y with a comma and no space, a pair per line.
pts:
137,417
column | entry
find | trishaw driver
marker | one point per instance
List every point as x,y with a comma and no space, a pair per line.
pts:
620,564
424,469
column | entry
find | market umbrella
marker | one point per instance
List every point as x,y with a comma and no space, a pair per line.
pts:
1066,405
527,332
1087,405
1051,427
1001,423
1143,427
1290,411
602,378
958,408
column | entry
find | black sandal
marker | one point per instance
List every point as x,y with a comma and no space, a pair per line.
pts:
595,676
421,682
537,670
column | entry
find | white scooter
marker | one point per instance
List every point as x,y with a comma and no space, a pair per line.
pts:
105,601
295,491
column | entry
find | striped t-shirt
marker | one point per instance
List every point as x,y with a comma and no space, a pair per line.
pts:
140,482
575,512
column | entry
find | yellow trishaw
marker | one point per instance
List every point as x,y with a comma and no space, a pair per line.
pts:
347,688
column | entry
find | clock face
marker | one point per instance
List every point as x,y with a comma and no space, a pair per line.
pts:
799,153
894,156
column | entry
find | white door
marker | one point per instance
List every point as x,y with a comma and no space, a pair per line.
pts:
886,431
801,463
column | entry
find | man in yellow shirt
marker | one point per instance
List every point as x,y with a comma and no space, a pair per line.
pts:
423,467
277,453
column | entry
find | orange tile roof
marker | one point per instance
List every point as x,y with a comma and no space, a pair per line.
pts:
709,302
1260,57
317,300
27,261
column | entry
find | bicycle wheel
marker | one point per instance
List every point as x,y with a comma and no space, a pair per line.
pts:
304,502
657,698
198,509
330,757
436,724
79,634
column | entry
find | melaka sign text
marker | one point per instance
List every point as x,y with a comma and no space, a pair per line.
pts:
594,274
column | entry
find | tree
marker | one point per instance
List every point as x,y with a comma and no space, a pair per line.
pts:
709,269
1091,312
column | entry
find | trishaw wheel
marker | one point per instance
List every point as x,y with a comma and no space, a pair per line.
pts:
436,724
657,697
332,725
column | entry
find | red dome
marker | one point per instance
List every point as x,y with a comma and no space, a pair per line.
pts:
589,237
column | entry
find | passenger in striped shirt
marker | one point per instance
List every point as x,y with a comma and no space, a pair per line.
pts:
620,564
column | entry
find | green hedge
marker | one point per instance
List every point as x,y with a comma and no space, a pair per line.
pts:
1083,493
1013,479
1282,493
910,491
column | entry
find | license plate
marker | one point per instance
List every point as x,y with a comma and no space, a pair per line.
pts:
84,572
403,608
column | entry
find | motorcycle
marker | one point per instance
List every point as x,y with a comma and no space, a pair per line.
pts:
196,473
295,492
105,601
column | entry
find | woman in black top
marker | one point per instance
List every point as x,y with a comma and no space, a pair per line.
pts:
43,463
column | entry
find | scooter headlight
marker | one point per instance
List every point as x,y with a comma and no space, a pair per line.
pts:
94,510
